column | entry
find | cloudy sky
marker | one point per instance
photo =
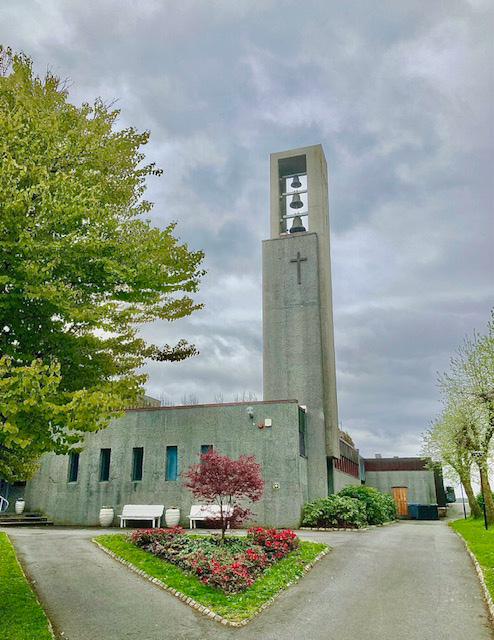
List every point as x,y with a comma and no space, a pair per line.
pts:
400,96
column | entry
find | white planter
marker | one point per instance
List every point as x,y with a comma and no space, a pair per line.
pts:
106,517
19,506
172,517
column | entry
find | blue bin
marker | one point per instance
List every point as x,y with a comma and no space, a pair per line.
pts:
413,510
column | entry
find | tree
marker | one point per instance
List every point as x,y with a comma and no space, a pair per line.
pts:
245,396
190,398
80,269
445,443
220,480
464,434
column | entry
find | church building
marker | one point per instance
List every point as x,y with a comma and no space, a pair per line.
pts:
293,432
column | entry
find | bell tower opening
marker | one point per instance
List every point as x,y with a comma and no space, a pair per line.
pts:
293,196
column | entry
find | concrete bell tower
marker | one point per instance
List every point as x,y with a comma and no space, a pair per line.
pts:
298,336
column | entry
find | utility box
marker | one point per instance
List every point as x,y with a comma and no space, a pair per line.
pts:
428,512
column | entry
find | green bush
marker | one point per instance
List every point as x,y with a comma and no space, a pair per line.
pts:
379,507
334,510
480,500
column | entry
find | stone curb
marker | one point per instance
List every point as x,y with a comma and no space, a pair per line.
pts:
480,573
370,526
199,607
29,582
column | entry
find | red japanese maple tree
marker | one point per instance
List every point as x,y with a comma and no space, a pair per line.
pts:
220,480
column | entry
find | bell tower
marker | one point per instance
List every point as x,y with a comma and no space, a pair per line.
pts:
298,336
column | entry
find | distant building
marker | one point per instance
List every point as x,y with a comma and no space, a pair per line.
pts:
408,480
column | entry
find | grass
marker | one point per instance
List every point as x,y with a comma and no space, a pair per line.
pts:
232,607
481,543
21,616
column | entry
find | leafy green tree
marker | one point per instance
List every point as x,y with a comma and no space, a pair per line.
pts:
80,268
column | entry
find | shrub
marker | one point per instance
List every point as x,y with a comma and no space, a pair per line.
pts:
480,499
341,511
379,507
145,537
277,543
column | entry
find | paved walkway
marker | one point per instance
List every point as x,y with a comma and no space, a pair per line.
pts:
411,580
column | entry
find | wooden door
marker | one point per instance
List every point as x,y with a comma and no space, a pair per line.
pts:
400,498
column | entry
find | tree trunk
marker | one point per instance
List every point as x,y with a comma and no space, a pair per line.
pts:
475,509
487,493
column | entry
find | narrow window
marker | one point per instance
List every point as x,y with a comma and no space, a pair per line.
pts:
171,463
104,465
137,457
302,423
205,448
73,467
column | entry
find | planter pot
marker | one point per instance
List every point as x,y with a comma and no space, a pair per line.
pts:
19,506
172,517
106,517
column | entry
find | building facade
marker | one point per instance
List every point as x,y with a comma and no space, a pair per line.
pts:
293,433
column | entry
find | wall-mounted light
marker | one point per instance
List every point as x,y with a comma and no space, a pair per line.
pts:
250,412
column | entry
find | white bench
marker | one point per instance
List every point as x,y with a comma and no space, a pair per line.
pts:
203,512
151,512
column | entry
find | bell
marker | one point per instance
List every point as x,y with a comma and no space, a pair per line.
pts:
296,203
296,184
297,226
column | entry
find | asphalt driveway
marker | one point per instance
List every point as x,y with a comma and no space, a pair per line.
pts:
410,580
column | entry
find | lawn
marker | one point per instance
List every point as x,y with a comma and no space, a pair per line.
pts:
234,607
481,543
21,616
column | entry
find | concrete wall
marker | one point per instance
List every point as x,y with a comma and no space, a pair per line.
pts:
292,356
420,484
341,480
227,427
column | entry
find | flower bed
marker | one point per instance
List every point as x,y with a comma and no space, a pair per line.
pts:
231,566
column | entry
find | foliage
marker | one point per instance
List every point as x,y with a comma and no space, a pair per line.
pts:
481,543
344,435
275,543
464,432
480,499
22,617
80,268
379,507
220,480
33,420
445,442
335,510
229,567
233,607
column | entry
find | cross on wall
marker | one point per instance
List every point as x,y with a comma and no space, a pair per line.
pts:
298,260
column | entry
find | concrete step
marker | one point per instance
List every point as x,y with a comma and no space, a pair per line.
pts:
24,519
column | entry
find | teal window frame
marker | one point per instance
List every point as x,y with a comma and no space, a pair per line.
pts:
171,471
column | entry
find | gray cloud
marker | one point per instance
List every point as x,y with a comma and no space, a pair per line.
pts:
400,96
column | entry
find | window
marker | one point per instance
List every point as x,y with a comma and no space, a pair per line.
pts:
73,467
302,425
137,457
205,448
171,463
104,465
